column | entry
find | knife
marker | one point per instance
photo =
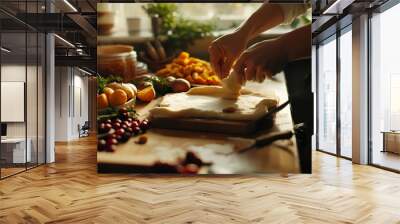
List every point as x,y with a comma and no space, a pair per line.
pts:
261,141
275,110
266,139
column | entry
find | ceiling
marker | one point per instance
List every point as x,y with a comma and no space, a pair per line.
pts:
73,20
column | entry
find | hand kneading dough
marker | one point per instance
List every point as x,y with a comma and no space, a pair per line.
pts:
209,102
231,87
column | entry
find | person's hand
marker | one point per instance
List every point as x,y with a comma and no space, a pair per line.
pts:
225,50
263,59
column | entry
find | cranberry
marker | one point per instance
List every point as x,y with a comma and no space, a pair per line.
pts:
120,131
129,119
191,168
119,138
136,130
101,145
112,141
107,126
117,125
108,121
111,148
117,120
125,137
111,131
102,128
144,125
134,124
129,129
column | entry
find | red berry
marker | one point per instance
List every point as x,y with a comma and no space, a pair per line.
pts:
101,145
108,126
191,168
111,148
129,130
116,125
120,131
102,128
111,131
144,125
119,138
112,141
136,130
134,124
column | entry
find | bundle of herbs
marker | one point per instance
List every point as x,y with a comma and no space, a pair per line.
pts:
180,32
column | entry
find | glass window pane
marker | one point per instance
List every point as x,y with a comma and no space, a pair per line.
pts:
327,96
346,94
13,86
385,84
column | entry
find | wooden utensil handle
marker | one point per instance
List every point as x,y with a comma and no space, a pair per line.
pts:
271,137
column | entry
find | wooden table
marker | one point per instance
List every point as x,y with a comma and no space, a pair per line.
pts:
281,156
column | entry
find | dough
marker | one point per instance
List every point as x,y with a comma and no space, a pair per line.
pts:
210,105
229,102
230,89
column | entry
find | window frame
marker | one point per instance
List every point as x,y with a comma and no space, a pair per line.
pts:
334,37
27,29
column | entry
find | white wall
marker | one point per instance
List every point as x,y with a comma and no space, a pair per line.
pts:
70,83
34,125
16,73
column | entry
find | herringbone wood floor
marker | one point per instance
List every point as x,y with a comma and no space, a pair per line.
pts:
70,191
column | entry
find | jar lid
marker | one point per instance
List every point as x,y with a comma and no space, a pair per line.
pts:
115,51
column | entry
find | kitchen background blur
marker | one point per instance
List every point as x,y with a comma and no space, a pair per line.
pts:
134,25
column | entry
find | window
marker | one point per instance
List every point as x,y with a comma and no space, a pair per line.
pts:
385,89
225,16
326,140
346,93
22,77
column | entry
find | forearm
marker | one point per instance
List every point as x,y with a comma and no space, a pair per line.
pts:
266,17
297,44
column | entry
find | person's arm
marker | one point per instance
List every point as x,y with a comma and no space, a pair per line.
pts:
269,16
297,43
226,49
265,18
268,57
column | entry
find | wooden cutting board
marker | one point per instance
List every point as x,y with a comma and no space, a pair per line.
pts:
242,128
281,156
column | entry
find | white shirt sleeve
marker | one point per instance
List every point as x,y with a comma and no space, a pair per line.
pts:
291,11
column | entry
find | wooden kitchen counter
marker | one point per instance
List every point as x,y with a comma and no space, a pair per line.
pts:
281,156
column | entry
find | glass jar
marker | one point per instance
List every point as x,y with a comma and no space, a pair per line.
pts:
117,60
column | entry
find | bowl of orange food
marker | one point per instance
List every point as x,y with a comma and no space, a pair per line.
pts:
196,71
